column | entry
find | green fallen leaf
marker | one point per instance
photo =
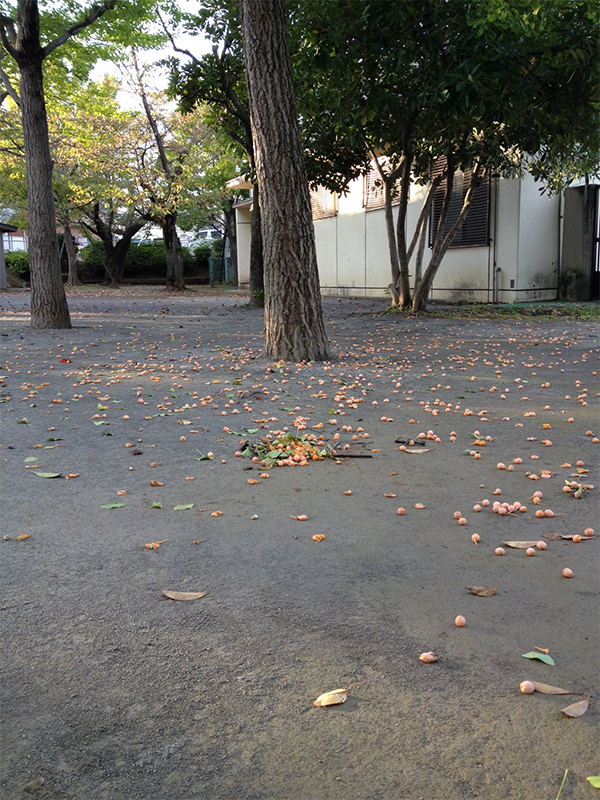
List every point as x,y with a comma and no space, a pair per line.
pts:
100,422
183,508
49,446
52,439
21,422
202,457
252,430
541,657
29,458
114,505
594,780
107,433
47,474
157,504
100,407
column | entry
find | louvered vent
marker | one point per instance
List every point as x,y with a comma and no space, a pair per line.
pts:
373,192
323,203
474,232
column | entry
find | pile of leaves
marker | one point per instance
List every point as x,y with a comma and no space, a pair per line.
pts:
287,450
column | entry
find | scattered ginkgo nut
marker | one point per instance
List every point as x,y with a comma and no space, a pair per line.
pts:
182,439
460,621
577,538
401,512
499,551
477,507
541,545
527,687
475,538
428,658
589,532
462,521
348,492
530,551
567,573
457,515
419,505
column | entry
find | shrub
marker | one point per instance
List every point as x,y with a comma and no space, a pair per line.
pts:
17,262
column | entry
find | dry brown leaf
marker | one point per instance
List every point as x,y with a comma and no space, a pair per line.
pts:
552,536
22,537
483,591
389,495
545,688
183,595
577,709
334,697
571,535
416,450
521,545
156,483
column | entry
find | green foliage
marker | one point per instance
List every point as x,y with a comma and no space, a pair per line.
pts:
144,261
17,262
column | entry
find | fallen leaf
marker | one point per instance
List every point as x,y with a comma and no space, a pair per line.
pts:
154,464
183,507
571,535
28,459
47,474
318,537
300,517
22,537
217,514
157,504
594,780
415,450
545,688
114,505
577,709
251,482
483,591
540,657
521,545
389,495
155,545
334,697
183,595
136,452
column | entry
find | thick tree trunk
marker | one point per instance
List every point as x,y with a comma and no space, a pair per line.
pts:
174,254
257,281
73,279
294,328
49,307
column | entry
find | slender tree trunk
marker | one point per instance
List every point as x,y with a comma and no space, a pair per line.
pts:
49,307
230,234
257,280
174,254
404,280
294,328
73,279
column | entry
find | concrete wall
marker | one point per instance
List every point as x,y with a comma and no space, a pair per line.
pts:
537,270
577,244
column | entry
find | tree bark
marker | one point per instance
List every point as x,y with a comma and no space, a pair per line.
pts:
49,307
230,235
73,279
294,327
257,282
174,254
115,255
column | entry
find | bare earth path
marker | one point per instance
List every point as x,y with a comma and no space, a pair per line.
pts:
112,692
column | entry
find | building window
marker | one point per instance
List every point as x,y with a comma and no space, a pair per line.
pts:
323,203
373,191
474,231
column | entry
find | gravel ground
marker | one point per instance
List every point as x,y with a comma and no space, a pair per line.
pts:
110,691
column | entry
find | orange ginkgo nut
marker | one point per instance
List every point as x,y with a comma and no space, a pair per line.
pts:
462,521
539,513
457,515
419,505
541,545
589,532
567,573
530,551
401,512
499,551
475,538
577,538
460,621
527,687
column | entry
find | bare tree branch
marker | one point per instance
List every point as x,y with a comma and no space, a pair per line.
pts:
95,12
8,35
10,89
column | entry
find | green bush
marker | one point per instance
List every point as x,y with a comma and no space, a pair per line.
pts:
92,263
17,262
202,253
144,261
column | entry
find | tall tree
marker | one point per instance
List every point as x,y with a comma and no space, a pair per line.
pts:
294,327
22,39
217,80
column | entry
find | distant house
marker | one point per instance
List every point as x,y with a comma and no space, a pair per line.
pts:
515,245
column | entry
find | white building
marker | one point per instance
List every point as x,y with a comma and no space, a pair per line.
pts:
517,246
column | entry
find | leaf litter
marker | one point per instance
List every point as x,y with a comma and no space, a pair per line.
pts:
577,709
183,596
540,657
483,591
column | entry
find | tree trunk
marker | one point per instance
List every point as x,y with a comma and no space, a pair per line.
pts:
403,283
294,328
257,281
49,307
391,237
174,254
73,279
230,234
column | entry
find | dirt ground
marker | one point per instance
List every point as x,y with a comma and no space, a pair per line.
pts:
110,691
